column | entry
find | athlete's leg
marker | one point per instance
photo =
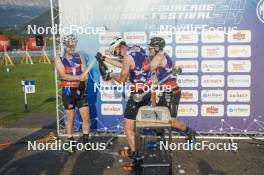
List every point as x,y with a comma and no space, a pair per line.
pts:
69,122
84,111
129,128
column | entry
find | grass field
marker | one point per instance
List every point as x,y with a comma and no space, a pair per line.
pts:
11,95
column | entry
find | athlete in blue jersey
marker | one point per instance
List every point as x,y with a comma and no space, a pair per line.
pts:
135,68
70,67
162,65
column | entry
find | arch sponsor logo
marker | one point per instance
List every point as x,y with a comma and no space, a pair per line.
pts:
213,36
213,51
213,66
186,51
238,95
135,37
239,66
212,110
111,95
188,66
235,110
213,81
108,37
260,10
212,95
189,96
238,80
167,36
111,109
188,110
186,37
187,80
239,51
239,36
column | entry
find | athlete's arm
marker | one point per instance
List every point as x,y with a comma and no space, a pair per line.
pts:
84,77
125,70
61,70
156,62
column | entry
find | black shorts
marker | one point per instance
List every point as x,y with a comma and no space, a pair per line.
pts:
170,100
73,100
132,107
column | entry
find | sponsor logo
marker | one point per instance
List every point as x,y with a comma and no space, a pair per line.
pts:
238,110
111,109
188,66
239,36
167,36
260,10
188,110
186,51
213,36
111,95
108,37
239,80
213,81
189,95
239,66
212,110
212,95
187,80
135,37
213,51
213,66
238,95
239,51
186,37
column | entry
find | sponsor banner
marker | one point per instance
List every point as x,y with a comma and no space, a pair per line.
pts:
239,81
238,95
212,95
213,66
111,95
239,66
213,51
186,37
237,110
186,51
188,66
108,37
213,36
239,51
213,81
189,95
187,80
167,36
212,110
135,37
239,36
188,110
111,109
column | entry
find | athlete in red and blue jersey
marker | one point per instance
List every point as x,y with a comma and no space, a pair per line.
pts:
162,65
70,68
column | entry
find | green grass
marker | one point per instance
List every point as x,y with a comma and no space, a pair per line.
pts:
12,97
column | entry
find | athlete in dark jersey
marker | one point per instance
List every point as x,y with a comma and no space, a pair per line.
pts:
161,66
70,68
135,68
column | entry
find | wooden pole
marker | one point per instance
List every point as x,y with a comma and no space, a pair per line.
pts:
6,60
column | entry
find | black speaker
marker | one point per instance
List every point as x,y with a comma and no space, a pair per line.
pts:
39,40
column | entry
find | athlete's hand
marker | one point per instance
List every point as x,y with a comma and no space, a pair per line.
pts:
83,77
